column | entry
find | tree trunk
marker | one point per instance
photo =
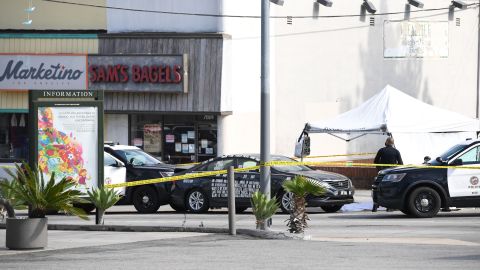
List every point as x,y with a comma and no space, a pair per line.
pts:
298,217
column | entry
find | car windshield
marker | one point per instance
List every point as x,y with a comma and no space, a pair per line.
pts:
447,155
289,168
138,157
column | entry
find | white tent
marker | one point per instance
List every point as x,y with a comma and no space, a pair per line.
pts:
419,129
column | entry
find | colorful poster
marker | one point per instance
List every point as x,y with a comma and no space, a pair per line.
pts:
68,144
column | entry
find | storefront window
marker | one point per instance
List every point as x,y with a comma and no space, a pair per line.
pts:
207,141
146,133
175,139
13,136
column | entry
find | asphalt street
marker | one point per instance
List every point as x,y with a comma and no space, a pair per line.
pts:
345,240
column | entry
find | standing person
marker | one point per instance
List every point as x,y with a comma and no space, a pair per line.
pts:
387,155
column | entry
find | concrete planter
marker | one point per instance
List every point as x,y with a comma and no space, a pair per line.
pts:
26,233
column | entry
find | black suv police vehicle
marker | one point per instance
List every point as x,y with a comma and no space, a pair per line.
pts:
140,166
423,191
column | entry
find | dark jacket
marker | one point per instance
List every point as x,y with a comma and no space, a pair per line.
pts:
388,155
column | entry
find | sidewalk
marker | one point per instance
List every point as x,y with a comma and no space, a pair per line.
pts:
124,225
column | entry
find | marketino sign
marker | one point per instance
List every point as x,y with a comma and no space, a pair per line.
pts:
134,73
43,72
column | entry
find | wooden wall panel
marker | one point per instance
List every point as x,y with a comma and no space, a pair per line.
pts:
204,71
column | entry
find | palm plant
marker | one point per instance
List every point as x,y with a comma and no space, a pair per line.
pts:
300,187
103,198
263,208
29,188
8,202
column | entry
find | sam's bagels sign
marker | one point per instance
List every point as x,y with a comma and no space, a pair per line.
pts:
130,73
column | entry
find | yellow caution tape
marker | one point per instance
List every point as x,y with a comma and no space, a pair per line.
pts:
324,156
178,177
278,163
340,155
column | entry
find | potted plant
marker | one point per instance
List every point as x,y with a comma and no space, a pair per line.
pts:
263,208
300,187
103,198
29,188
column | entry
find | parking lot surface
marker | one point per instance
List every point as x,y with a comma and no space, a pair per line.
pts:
352,239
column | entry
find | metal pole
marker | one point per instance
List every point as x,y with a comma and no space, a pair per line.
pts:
265,100
478,66
231,202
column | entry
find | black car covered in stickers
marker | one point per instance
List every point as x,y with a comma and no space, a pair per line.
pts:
199,194
141,166
422,191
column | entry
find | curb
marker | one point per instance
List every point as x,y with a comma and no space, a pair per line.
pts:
278,235
124,228
275,235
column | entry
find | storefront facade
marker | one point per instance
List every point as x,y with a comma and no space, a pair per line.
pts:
174,119
162,93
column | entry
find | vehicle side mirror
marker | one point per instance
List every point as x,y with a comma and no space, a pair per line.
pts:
119,164
426,159
457,162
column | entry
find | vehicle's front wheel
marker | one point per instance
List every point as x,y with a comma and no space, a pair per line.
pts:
331,208
197,201
424,202
145,200
286,202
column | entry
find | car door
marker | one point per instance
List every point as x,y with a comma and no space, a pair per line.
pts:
246,182
215,186
114,172
463,182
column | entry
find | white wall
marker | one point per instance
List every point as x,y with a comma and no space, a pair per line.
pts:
320,66
326,66
127,21
243,125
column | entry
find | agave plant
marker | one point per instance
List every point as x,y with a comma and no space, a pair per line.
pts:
29,188
103,198
263,208
300,187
